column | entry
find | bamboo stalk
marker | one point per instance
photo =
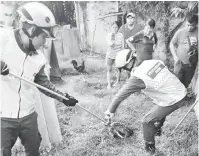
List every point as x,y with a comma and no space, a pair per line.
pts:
111,14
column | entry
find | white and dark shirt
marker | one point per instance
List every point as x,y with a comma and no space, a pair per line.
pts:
17,96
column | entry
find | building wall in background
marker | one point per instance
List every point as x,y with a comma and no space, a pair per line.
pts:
6,18
93,32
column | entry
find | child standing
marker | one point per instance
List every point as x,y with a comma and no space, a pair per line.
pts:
115,43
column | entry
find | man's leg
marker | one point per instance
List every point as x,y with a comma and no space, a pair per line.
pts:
153,121
187,75
9,135
128,73
109,64
158,126
131,65
118,74
29,135
178,71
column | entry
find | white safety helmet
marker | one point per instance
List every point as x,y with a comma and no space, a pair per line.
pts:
123,57
38,14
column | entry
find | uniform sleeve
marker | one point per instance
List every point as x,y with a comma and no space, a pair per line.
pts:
133,85
42,79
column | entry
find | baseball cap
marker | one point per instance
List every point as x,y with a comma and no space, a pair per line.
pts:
130,14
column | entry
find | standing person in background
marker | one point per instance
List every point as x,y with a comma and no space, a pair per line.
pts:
180,46
130,28
20,55
115,42
146,39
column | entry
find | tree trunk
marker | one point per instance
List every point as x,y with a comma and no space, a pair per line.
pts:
174,30
166,33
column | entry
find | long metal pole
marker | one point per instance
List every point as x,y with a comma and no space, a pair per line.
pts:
52,92
185,116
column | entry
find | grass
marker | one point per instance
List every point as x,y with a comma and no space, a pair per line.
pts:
85,135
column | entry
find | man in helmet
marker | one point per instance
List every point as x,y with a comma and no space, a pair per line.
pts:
21,55
155,80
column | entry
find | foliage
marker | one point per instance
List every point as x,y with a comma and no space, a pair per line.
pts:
146,9
84,135
64,11
159,10
163,12
181,11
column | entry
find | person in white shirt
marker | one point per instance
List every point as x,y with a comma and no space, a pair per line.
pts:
21,56
154,79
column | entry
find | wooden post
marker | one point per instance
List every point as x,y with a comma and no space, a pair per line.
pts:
79,12
70,43
109,15
55,72
51,56
92,41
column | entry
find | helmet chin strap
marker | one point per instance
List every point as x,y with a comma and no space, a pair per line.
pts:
35,33
31,47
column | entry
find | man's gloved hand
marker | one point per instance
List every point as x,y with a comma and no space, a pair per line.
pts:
4,68
108,117
71,100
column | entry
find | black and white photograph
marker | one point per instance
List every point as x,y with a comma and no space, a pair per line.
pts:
99,78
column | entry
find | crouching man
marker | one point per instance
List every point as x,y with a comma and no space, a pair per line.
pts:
165,89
